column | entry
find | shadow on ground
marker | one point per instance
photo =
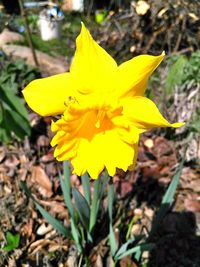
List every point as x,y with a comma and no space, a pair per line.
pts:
177,244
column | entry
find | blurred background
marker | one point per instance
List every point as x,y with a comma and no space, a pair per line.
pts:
37,39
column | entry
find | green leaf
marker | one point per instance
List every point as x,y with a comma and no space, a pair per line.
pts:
5,135
124,247
85,180
95,205
12,241
14,102
51,220
111,193
130,225
169,195
135,240
76,235
13,120
99,190
1,114
113,243
175,74
167,199
8,248
66,188
13,76
82,207
140,248
66,170
16,124
10,237
103,184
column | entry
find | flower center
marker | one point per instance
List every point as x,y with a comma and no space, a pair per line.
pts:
87,117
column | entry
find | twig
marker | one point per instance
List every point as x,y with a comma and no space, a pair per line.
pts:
118,27
80,260
178,41
28,32
180,52
91,3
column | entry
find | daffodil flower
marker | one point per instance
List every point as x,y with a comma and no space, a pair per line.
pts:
102,106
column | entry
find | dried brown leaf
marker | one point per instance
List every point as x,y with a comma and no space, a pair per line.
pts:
40,178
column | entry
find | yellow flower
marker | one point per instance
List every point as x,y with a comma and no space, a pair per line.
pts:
102,105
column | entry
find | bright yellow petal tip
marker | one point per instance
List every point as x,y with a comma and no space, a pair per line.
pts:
132,76
102,106
177,124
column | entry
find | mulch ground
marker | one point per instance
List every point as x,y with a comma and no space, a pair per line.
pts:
139,193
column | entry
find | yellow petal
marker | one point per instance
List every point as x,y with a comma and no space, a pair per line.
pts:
105,149
144,114
132,76
88,159
132,166
118,153
47,96
92,66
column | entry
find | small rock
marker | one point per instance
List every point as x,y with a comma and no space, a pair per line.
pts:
48,64
72,257
149,143
149,213
136,229
43,229
7,37
142,7
138,212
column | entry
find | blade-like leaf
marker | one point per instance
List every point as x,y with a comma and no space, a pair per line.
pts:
16,123
124,247
66,170
1,113
86,186
76,235
95,205
110,201
66,188
169,195
140,248
167,199
99,190
12,122
104,182
53,221
113,243
14,102
82,207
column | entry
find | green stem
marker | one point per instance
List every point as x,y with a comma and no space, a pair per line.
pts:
95,204
113,242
